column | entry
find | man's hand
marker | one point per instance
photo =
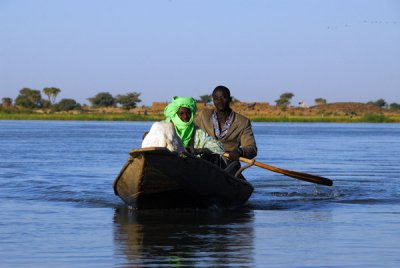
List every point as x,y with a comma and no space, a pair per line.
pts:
235,154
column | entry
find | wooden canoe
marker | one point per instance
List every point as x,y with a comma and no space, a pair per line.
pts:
158,178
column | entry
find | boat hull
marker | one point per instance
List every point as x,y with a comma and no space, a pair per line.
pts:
158,178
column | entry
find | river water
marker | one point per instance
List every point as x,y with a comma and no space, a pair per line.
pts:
58,209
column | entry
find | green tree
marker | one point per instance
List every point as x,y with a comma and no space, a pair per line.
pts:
394,106
205,99
51,93
284,100
6,102
29,98
129,100
46,104
380,103
102,99
67,105
319,101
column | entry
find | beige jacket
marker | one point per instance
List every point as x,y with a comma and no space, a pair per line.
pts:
240,133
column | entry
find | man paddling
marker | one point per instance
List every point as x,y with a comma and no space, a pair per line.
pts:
232,129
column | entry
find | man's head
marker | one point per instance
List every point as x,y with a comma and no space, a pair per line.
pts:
183,108
222,98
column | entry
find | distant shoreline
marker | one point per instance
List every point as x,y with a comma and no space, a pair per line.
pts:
368,118
349,112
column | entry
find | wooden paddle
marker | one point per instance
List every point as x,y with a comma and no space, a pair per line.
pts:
290,173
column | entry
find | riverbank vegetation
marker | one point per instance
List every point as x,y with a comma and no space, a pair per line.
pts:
29,105
140,116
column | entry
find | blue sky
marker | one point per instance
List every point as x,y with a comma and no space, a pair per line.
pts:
342,50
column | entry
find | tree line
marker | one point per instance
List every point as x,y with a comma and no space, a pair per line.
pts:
32,99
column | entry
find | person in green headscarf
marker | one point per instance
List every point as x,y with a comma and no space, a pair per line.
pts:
181,112
184,107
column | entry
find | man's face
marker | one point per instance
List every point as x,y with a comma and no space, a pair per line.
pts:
184,114
221,100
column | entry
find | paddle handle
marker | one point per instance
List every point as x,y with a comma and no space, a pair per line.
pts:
290,173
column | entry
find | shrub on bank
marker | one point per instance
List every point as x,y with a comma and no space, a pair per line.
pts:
375,118
66,105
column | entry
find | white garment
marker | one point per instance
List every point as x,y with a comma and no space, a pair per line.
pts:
162,134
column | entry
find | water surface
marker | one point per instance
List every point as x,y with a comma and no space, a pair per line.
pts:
57,206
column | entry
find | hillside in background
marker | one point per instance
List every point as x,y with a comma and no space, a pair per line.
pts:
265,109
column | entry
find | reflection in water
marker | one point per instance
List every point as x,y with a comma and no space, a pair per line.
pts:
184,237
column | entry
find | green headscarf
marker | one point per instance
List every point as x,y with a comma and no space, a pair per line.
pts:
183,129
